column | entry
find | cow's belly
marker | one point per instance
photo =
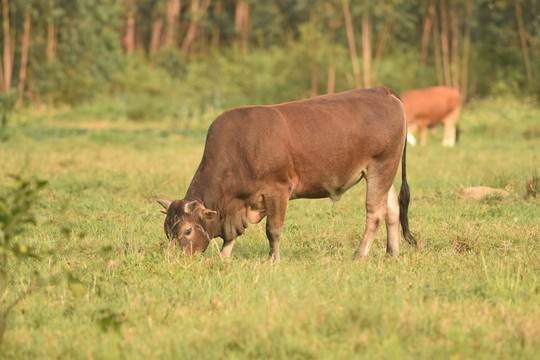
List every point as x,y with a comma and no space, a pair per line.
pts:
428,119
327,185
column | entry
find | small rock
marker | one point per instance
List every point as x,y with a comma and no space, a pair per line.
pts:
479,192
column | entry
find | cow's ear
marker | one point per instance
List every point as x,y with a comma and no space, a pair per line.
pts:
165,204
208,214
189,208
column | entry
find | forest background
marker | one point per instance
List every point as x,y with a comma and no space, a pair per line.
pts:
187,59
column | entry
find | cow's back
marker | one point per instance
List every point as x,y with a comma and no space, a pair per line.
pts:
310,143
431,105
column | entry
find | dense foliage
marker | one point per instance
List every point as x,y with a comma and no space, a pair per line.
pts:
169,58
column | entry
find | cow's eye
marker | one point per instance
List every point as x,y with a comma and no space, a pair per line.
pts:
188,231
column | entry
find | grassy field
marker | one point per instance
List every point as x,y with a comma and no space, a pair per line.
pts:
470,290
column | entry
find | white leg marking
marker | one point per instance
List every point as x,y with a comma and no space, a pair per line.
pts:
392,223
411,139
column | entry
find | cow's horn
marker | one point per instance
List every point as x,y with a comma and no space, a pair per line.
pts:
165,204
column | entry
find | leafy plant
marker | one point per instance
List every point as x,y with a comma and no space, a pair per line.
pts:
17,200
7,102
533,185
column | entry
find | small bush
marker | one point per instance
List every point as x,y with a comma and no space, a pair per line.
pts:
7,102
532,132
533,185
17,200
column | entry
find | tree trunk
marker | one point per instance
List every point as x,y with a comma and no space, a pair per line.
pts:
444,43
24,57
52,34
366,48
455,50
427,30
313,49
156,36
8,64
352,42
173,14
333,26
191,31
383,39
218,9
196,14
245,32
238,19
466,47
529,39
437,47
1,74
129,37
381,46
523,42
241,24
331,74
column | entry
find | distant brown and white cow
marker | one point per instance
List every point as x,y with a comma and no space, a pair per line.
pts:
430,107
257,158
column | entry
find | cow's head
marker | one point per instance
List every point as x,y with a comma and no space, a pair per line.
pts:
185,224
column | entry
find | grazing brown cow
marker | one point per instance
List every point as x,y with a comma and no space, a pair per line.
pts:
257,158
430,107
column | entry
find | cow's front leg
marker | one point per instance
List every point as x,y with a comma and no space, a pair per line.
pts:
450,122
227,247
449,138
276,206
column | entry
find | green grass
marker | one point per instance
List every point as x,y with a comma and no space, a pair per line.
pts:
469,290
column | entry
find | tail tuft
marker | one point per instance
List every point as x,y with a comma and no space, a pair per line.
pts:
404,199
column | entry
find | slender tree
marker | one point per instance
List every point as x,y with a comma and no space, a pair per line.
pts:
455,55
8,63
428,22
523,40
1,74
241,24
24,56
444,43
334,23
437,46
366,47
216,33
128,40
52,32
155,38
382,40
197,11
466,49
313,49
352,42
173,16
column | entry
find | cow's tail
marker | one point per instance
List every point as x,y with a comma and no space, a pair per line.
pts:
404,198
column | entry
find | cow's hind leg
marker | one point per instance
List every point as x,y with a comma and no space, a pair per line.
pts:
450,122
422,135
378,186
392,223
411,130
276,206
